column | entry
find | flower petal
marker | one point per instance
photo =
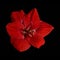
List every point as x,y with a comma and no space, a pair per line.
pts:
20,44
44,29
37,41
27,19
17,16
14,30
35,19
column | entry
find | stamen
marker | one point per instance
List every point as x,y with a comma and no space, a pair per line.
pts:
28,32
28,28
24,32
32,31
30,35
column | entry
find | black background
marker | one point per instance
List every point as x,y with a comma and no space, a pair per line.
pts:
48,12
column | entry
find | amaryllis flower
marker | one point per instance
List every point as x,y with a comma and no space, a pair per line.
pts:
27,30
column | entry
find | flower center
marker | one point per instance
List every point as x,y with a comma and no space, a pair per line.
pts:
28,32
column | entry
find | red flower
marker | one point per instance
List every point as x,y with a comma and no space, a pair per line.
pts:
27,29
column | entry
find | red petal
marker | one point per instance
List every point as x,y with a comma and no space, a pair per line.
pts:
37,41
14,30
17,16
35,19
20,44
44,29
27,18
